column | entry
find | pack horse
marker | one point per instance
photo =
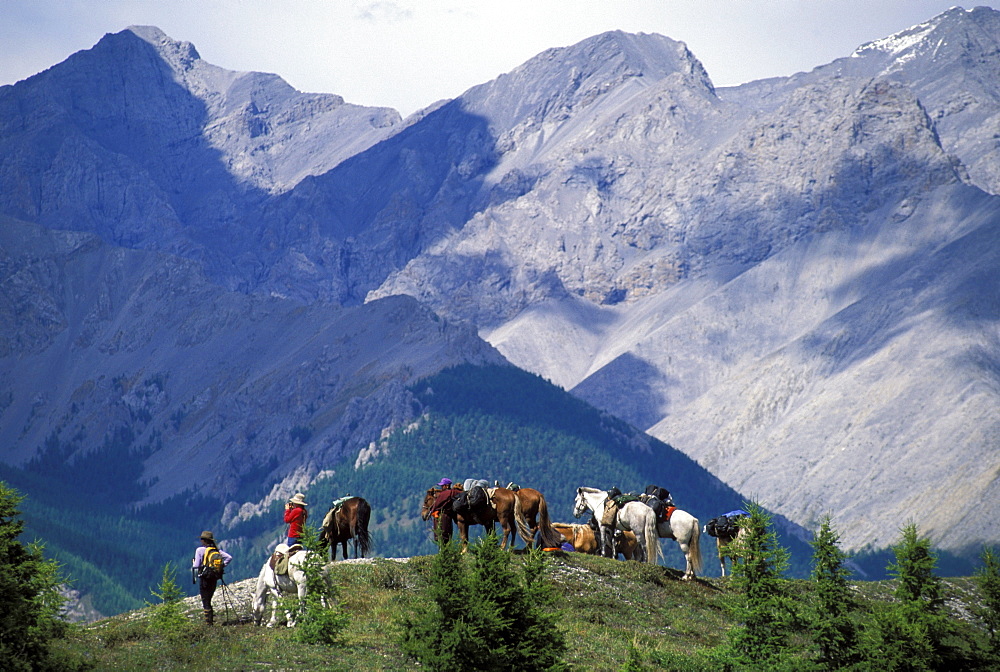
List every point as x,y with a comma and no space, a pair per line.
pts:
347,519
281,575
634,517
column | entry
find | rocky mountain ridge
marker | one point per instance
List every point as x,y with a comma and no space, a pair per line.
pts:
136,355
793,280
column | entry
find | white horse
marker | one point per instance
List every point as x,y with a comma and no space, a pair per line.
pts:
686,531
634,517
271,583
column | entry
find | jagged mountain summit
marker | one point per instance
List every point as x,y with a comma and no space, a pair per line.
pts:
792,281
145,144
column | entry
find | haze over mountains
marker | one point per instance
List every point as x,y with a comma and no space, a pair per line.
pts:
796,282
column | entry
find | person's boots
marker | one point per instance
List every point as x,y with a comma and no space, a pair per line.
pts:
209,616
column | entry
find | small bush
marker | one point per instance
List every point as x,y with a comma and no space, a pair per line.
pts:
170,617
321,619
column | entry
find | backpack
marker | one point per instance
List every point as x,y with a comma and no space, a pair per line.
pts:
460,503
212,565
661,494
477,497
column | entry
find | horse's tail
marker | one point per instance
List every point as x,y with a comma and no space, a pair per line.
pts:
653,550
550,536
362,540
522,524
695,546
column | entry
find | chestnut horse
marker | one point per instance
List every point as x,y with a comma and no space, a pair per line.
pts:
444,516
523,511
532,516
584,539
348,521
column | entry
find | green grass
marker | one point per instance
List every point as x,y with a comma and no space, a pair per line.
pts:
608,609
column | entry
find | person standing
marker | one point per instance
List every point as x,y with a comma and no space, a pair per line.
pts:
443,524
209,574
295,516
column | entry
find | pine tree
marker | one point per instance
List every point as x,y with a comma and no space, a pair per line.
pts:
914,633
914,570
320,619
988,579
169,616
436,634
30,601
524,606
485,616
761,608
832,628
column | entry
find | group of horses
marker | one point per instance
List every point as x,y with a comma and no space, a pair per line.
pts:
633,530
524,510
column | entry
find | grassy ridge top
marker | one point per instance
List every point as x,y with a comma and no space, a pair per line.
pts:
607,609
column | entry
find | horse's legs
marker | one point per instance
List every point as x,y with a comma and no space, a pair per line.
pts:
343,549
300,589
639,554
688,563
276,598
259,600
608,542
723,546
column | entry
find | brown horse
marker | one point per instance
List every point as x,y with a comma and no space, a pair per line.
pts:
498,509
531,514
584,539
348,521
445,516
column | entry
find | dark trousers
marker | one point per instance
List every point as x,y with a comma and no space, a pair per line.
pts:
206,588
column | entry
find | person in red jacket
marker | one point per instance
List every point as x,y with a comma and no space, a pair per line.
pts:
295,516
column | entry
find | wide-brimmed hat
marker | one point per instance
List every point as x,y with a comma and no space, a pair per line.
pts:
207,536
443,482
298,498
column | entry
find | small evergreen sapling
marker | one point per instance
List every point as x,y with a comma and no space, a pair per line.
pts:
988,580
761,607
30,617
169,617
482,615
833,630
915,633
320,619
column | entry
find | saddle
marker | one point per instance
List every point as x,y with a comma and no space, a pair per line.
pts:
282,554
662,510
330,521
610,513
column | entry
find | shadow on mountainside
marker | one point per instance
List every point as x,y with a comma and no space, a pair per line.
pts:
110,143
383,207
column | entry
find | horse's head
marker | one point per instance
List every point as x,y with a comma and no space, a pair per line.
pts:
580,504
425,510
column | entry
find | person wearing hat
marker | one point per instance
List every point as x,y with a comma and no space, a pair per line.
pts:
207,581
439,509
295,516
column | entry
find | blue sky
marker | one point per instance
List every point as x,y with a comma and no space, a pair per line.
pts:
407,54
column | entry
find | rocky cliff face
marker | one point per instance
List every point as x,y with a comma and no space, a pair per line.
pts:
136,356
793,281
